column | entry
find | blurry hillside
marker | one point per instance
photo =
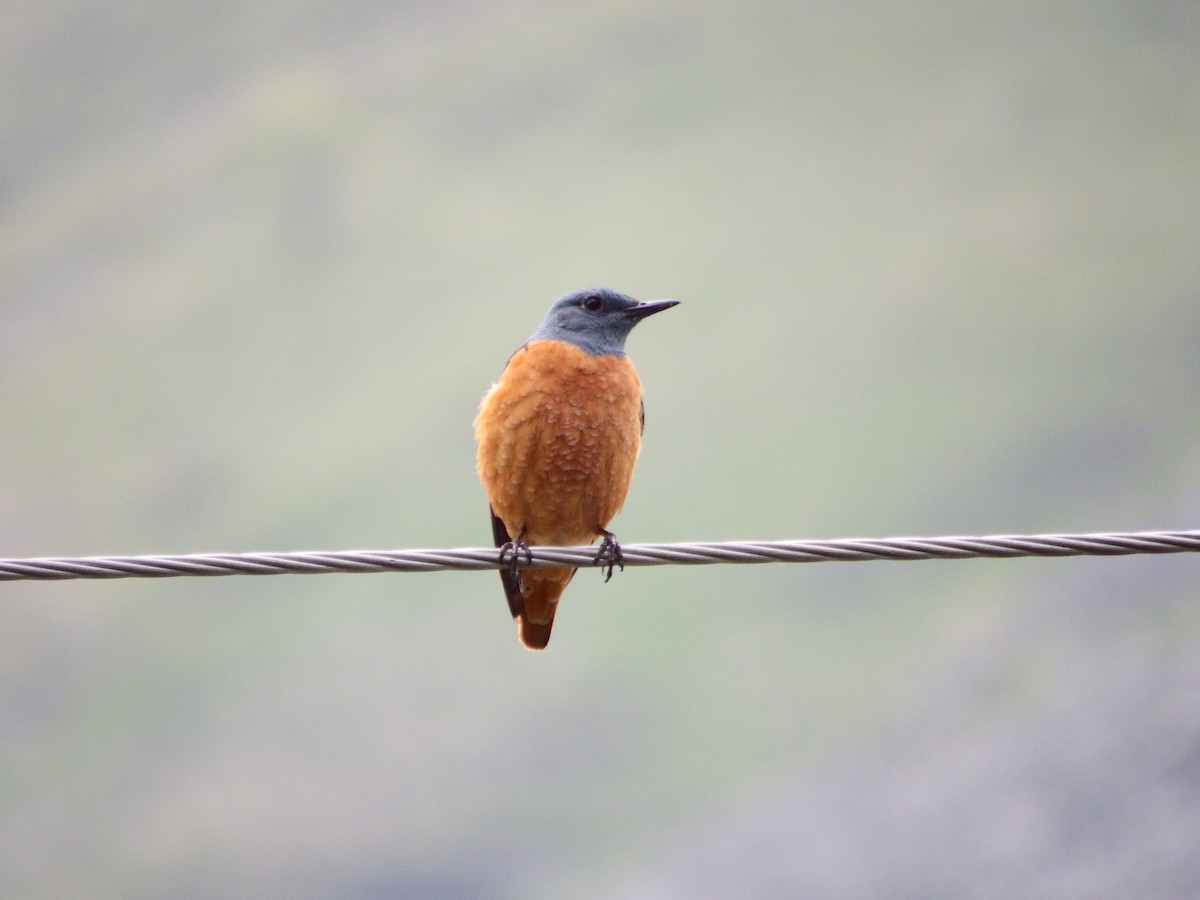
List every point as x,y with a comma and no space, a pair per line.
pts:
940,273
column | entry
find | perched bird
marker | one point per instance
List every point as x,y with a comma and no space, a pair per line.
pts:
558,437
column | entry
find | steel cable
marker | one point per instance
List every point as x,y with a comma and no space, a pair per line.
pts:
683,554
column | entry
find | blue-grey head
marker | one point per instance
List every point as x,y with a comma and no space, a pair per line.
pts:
596,319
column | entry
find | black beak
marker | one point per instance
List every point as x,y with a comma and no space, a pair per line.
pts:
649,308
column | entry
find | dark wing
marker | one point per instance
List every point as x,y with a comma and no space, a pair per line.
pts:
512,587
642,415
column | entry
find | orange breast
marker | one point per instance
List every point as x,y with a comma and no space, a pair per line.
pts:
558,435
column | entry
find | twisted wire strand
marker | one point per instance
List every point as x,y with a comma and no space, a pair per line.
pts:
683,554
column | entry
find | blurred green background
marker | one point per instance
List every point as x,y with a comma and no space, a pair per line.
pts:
940,267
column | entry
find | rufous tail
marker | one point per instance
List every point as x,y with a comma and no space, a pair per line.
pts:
540,590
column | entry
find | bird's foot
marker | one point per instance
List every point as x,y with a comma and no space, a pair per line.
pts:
512,551
609,554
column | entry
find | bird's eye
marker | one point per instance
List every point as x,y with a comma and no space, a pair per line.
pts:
593,303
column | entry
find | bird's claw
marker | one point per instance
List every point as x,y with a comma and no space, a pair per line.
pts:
608,555
512,551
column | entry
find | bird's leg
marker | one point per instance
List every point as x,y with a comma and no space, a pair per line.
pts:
516,548
609,554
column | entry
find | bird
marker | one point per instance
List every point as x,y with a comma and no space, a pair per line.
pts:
558,435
